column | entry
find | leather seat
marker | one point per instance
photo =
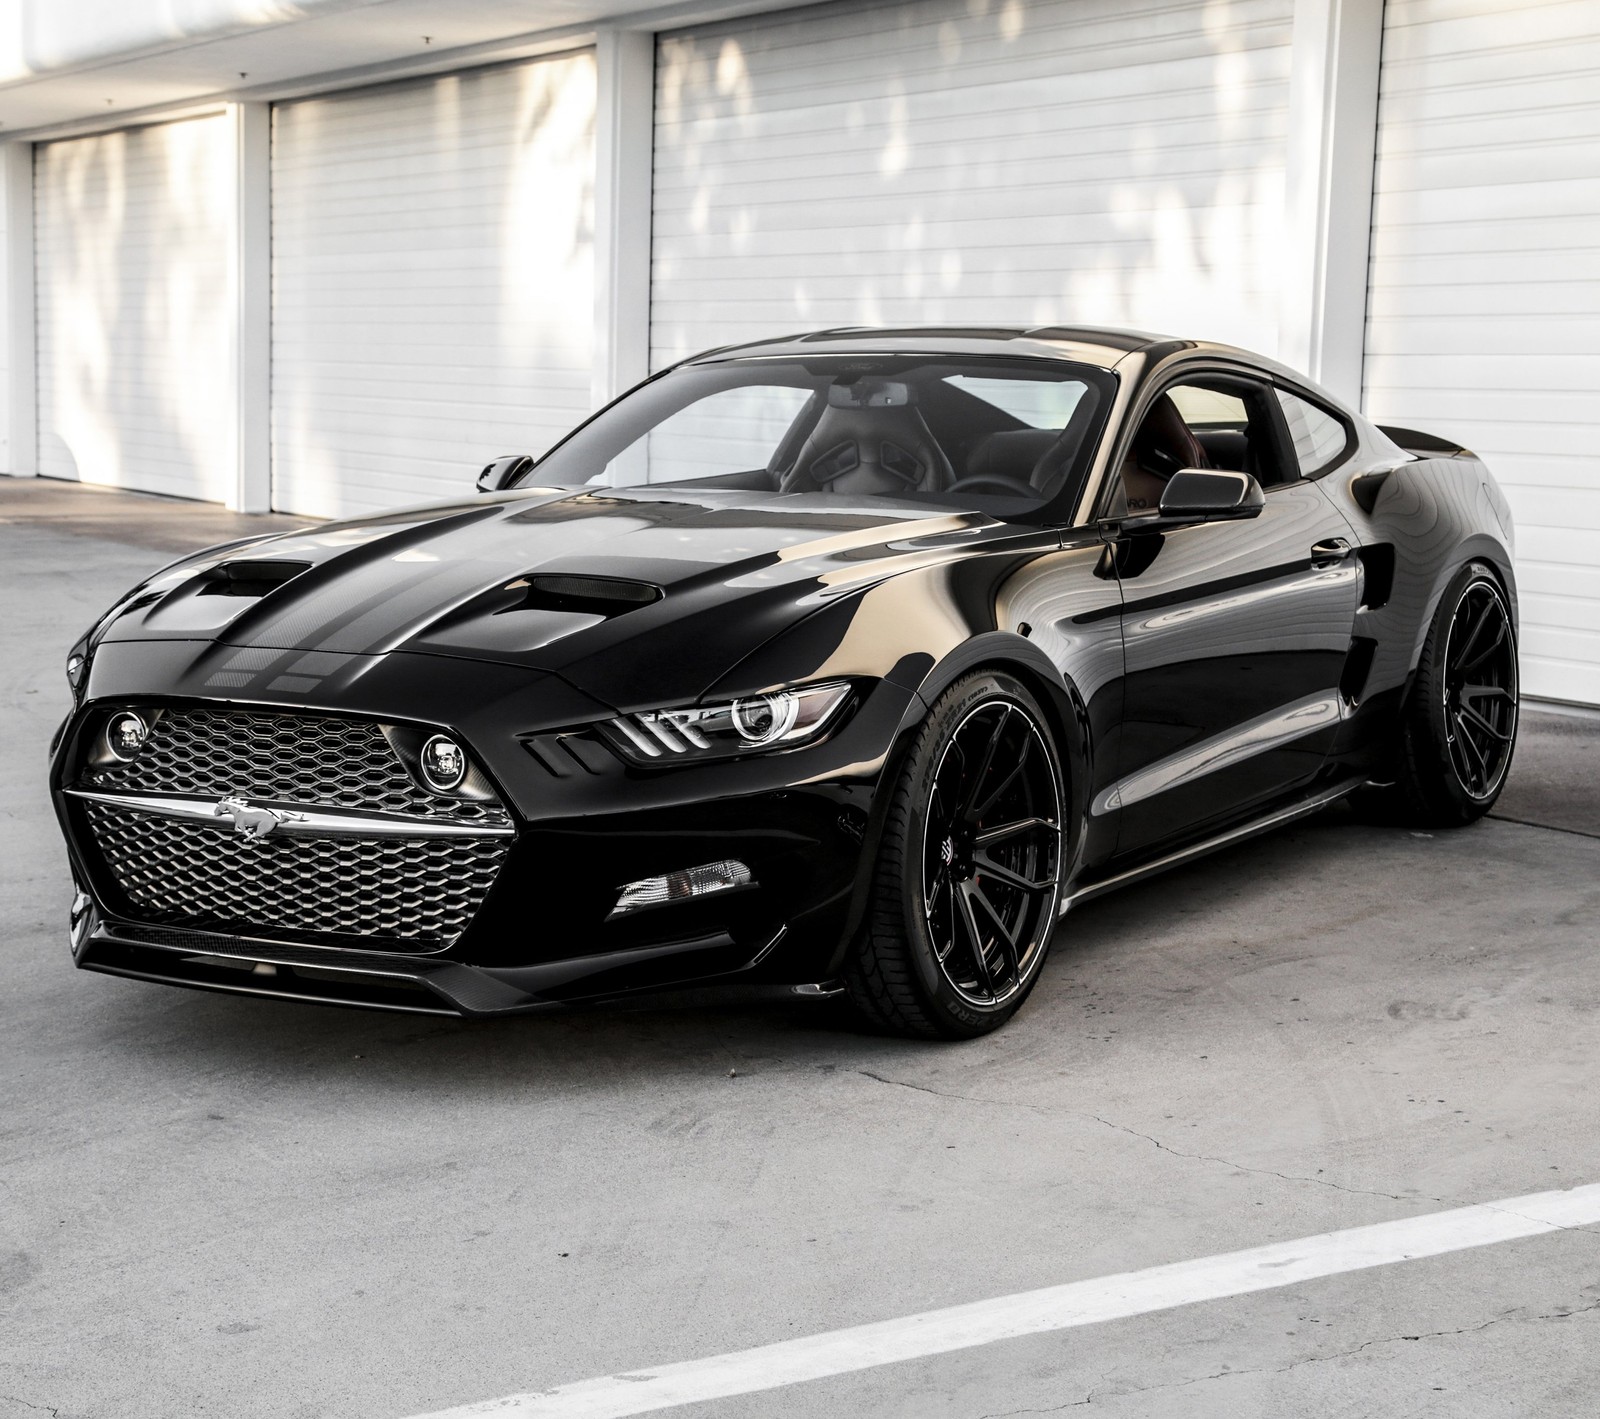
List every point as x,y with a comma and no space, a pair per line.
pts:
860,449
1163,445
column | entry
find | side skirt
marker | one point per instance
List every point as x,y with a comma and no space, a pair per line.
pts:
1275,819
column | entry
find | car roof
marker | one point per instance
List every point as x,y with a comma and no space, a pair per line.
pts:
1095,345
1104,346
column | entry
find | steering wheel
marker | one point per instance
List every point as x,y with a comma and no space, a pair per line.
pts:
1008,486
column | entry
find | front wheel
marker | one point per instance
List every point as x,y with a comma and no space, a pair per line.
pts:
1459,726
968,876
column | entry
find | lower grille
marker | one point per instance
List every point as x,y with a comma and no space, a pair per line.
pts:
408,893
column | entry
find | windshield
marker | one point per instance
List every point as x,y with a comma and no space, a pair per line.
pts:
1008,437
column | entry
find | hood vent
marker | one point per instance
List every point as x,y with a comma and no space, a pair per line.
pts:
592,595
253,579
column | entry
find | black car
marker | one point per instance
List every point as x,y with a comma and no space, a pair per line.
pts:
842,662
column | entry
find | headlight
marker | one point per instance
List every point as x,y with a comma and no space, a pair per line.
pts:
780,720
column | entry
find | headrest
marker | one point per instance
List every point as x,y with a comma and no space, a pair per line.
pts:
1011,453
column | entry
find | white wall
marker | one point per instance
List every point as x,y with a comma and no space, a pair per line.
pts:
1037,161
37,36
1484,316
135,299
433,306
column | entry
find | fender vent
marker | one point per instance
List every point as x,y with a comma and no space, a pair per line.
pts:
1377,565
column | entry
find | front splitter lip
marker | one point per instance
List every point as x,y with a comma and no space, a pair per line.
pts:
246,965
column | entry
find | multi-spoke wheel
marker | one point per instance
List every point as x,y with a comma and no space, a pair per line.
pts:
969,870
1461,720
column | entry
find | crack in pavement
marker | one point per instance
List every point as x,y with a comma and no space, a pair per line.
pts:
1505,1316
1154,1142
42,1408
1263,1172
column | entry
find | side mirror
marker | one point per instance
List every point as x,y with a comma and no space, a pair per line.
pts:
503,472
1210,495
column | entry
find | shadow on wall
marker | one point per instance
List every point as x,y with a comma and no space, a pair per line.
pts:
973,161
134,315
433,282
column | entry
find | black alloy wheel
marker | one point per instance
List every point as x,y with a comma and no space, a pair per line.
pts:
968,876
1461,720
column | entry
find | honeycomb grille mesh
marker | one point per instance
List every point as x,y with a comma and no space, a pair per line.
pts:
416,893
318,760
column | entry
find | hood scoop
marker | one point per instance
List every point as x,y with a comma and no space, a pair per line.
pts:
535,610
602,596
253,579
217,595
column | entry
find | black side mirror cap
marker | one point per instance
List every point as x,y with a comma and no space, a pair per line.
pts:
503,472
1210,495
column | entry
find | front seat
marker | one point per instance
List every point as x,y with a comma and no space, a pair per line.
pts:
1163,445
870,439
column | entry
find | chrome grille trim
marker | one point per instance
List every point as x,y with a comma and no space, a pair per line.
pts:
298,821
413,893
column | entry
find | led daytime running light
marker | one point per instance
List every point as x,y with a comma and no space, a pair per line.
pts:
776,720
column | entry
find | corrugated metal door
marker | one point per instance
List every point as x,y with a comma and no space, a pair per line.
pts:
1037,161
1483,321
133,255
432,281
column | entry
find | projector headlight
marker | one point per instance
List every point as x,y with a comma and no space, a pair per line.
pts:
782,719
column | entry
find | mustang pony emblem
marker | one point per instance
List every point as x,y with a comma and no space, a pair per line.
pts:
254,822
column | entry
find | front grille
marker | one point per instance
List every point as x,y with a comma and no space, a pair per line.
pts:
414,894
289,757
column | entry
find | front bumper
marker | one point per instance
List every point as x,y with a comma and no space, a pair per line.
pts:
585,823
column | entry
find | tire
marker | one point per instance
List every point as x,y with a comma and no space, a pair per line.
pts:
1459,725
968,872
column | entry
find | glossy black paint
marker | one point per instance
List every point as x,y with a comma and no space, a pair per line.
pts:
1197,674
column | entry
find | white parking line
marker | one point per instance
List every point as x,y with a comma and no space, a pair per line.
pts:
1104,1298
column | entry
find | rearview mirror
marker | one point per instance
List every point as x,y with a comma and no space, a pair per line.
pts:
503,472
1210,495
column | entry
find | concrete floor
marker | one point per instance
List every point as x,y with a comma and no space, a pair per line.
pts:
212,1206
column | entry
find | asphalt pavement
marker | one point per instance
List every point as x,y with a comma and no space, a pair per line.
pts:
242,1208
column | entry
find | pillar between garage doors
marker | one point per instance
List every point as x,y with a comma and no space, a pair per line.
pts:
19,451
251,268
624,138
1333,124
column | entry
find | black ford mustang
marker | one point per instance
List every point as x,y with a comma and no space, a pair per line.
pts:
847,661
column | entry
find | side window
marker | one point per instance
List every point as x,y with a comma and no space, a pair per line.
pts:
732,431
1318,437
1222,422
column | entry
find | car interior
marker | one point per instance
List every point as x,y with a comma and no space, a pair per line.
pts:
999,438
1223,423
888,437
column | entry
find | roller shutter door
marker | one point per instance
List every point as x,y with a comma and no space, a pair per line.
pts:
1037,161
432,281
133,281
1484,313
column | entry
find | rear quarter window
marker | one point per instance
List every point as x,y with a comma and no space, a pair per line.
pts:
1319,437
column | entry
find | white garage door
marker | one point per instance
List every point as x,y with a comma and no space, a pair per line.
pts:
1033,161
1484,316
432,281
133,244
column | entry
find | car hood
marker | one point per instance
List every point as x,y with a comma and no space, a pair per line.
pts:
725,572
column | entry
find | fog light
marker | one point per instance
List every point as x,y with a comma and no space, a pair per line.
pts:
126,735
444,763
681,886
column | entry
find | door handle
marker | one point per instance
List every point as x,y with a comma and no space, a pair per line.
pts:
1330,553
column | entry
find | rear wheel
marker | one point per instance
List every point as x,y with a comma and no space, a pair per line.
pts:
968,875
1460,723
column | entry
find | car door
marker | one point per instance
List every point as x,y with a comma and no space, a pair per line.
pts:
1235,633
